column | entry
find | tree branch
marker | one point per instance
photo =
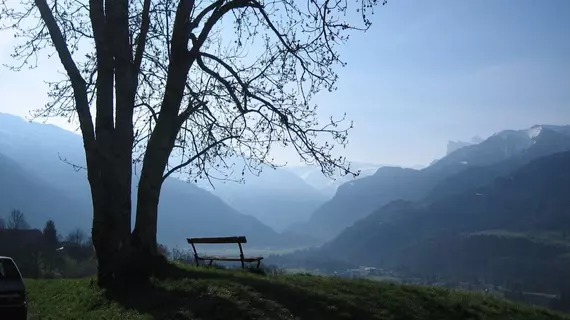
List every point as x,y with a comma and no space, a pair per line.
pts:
141,41
77,81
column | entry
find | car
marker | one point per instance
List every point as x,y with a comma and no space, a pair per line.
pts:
13,299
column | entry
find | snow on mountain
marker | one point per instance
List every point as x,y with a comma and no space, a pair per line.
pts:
533,132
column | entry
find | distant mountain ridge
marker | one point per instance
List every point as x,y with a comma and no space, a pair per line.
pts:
277,197
519,221
24,190
328,186
502,145
455,145
39,149
545,140
356,199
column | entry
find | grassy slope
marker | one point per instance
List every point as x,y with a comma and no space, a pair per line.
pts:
218,294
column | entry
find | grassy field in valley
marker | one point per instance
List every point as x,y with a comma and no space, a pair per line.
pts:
205,293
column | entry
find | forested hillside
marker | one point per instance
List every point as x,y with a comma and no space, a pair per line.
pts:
514,230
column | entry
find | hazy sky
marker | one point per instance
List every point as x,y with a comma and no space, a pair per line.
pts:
427,72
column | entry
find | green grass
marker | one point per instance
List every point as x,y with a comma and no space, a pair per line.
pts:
200,293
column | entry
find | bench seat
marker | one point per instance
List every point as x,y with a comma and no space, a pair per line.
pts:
220,258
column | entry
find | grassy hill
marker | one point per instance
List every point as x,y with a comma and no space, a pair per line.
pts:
221,294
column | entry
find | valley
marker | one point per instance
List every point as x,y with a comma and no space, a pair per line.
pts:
466,221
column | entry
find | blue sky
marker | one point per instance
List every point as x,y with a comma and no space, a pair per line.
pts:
427,72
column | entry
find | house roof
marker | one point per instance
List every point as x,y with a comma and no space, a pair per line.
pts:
20,237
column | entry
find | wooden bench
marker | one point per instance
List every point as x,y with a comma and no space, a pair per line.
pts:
221,240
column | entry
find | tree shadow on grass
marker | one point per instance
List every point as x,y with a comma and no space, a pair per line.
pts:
229,295
172,303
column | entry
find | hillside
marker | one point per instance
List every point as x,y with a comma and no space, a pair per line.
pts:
62,193
327,186
189,211
277,197
467,167
219,294
47,151
37,198
518,222
354,200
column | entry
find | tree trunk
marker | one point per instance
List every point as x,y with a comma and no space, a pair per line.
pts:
143,238
111,195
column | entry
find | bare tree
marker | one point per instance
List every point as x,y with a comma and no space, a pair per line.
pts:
181,86
77,246
17,220
76,237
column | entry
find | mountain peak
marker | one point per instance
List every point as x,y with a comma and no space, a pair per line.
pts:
455,145
534,131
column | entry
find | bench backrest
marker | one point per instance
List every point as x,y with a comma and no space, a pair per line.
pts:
238,240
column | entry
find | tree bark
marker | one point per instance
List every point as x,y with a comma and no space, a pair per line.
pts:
110,177
111,218
143,238
160,144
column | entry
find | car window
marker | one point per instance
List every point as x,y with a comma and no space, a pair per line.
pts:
8,269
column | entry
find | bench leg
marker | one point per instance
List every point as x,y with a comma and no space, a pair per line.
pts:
197,261
258,263
211,263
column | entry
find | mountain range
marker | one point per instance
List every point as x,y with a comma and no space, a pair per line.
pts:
313,176
45,163
277,197
467,167
24,190
514,229
496,212
389,216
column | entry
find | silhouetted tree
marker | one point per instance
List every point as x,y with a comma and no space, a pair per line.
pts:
50,235
17,220
51,259
164,83
76,237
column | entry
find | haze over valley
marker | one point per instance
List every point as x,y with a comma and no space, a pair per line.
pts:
285,209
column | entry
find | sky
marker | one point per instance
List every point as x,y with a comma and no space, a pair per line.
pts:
425,73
